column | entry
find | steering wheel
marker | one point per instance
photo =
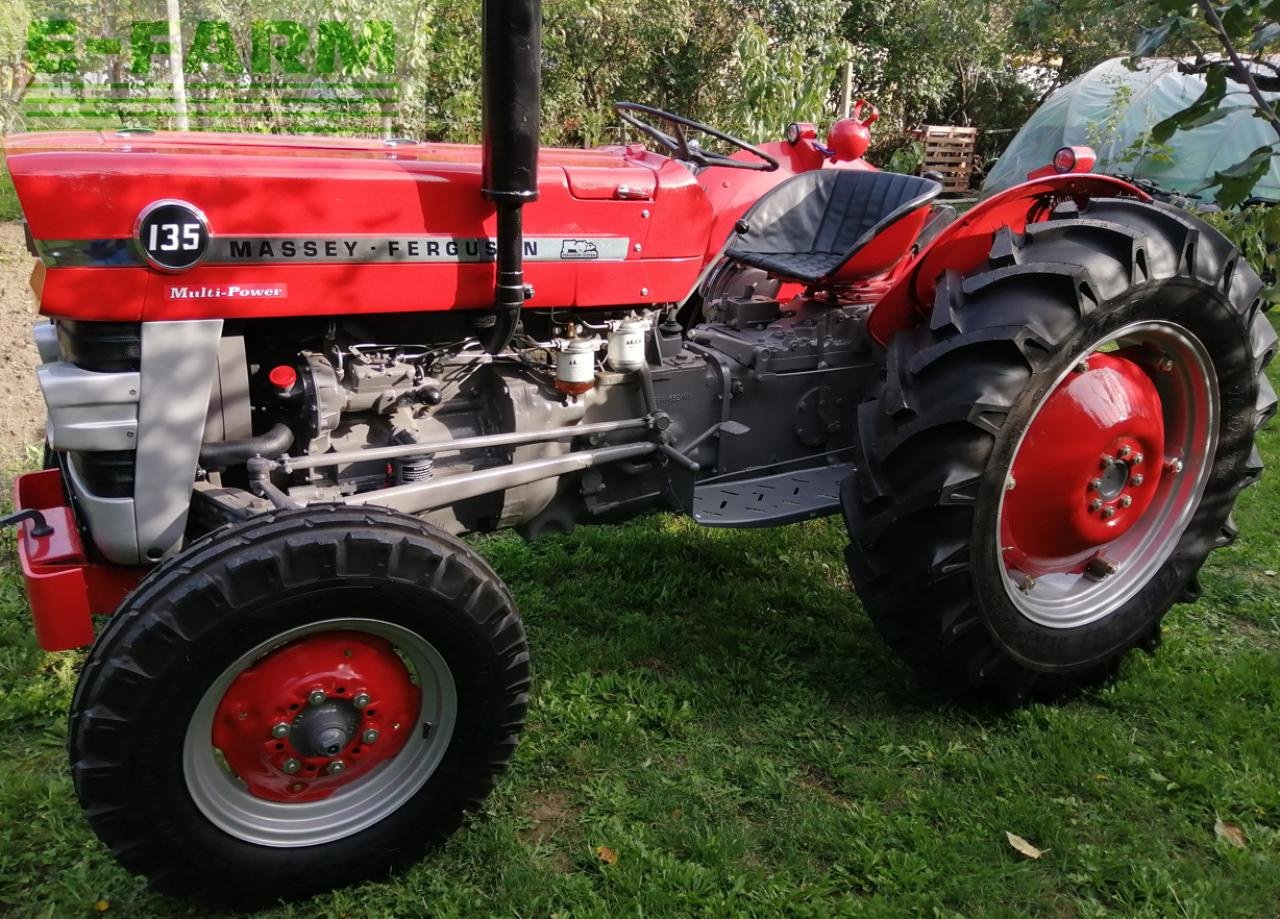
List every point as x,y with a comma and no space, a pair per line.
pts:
687,150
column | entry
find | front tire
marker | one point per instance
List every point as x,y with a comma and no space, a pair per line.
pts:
997,552
298,702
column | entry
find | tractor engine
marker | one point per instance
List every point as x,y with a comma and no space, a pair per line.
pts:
501,434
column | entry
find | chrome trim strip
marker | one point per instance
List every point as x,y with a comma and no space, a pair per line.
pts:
88,253
336,249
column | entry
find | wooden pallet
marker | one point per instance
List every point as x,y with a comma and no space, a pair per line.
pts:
948,150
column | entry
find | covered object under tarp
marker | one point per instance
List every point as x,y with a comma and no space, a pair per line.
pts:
1112,107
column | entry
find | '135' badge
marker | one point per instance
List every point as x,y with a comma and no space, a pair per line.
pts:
173,235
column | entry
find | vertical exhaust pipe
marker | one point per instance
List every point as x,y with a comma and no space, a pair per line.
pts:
511,63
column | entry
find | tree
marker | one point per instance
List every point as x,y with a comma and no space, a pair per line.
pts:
1243,31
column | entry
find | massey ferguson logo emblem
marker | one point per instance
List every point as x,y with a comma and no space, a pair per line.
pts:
579,249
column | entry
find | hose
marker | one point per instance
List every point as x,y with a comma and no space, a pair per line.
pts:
223,453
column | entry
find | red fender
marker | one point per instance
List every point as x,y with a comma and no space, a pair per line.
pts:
964,245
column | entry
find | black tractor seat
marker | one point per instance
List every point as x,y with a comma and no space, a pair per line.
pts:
812,226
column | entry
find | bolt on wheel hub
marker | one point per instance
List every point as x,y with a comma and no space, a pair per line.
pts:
295,726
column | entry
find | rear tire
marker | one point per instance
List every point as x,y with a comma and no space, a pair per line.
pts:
940,434
425,607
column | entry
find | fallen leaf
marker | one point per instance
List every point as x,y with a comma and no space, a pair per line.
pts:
607,855
1023,846
1229,832
102,906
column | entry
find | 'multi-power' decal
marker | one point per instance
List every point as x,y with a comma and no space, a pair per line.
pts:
226,291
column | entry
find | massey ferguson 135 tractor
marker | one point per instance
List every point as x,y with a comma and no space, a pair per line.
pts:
283,375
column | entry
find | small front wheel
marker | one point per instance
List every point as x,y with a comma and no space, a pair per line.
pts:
298,702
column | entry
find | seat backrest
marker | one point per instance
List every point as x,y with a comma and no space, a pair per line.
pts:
828,215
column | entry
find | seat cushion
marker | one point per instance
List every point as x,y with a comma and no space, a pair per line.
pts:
810,225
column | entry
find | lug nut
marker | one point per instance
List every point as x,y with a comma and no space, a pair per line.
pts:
291,766
1125,451
1095,484
336,767
1165,364
1095,505
1100,568
361,700
1027,583
317,697
1126,501
1082,366
280,731
1108,513
1135,480
1137,458
1173,466
370,736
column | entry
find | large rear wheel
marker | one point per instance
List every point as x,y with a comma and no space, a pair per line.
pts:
1048,463
298,702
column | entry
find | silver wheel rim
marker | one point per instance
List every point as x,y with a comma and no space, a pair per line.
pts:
226,803
1190,387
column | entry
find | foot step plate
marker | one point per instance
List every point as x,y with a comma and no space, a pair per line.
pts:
771,500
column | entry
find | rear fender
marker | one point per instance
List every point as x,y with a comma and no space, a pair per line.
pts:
966,243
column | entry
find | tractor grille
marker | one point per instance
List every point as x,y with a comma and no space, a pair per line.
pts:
102,346
107,473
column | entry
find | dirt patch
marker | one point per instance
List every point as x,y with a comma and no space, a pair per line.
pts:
549,810
21,408
818,781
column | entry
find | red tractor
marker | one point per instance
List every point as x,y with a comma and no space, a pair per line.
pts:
284,375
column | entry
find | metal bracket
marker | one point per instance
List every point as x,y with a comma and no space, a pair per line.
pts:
41,527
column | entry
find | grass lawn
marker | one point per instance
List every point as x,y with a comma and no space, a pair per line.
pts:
714,709
9,209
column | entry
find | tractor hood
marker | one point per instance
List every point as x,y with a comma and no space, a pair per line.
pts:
374,226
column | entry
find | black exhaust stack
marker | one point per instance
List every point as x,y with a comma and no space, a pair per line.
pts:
512,63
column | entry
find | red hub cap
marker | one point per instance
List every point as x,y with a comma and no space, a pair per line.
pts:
316,715
1087,470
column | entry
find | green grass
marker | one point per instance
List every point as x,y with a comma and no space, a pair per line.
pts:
9,209
715,707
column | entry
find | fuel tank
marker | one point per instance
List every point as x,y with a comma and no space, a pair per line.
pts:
167,226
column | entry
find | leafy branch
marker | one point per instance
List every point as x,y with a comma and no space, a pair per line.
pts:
1225,25
1243,73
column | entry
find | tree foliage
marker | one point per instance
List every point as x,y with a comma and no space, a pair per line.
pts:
747,66
1234,46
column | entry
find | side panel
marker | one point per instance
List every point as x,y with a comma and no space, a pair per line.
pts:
179,364
965,244
88,410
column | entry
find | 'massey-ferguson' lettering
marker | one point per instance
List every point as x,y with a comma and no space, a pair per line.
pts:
373,249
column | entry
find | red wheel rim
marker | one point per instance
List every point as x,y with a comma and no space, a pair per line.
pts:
313,716
1107,474
264,711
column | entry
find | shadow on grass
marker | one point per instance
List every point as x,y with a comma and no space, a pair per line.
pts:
760,611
